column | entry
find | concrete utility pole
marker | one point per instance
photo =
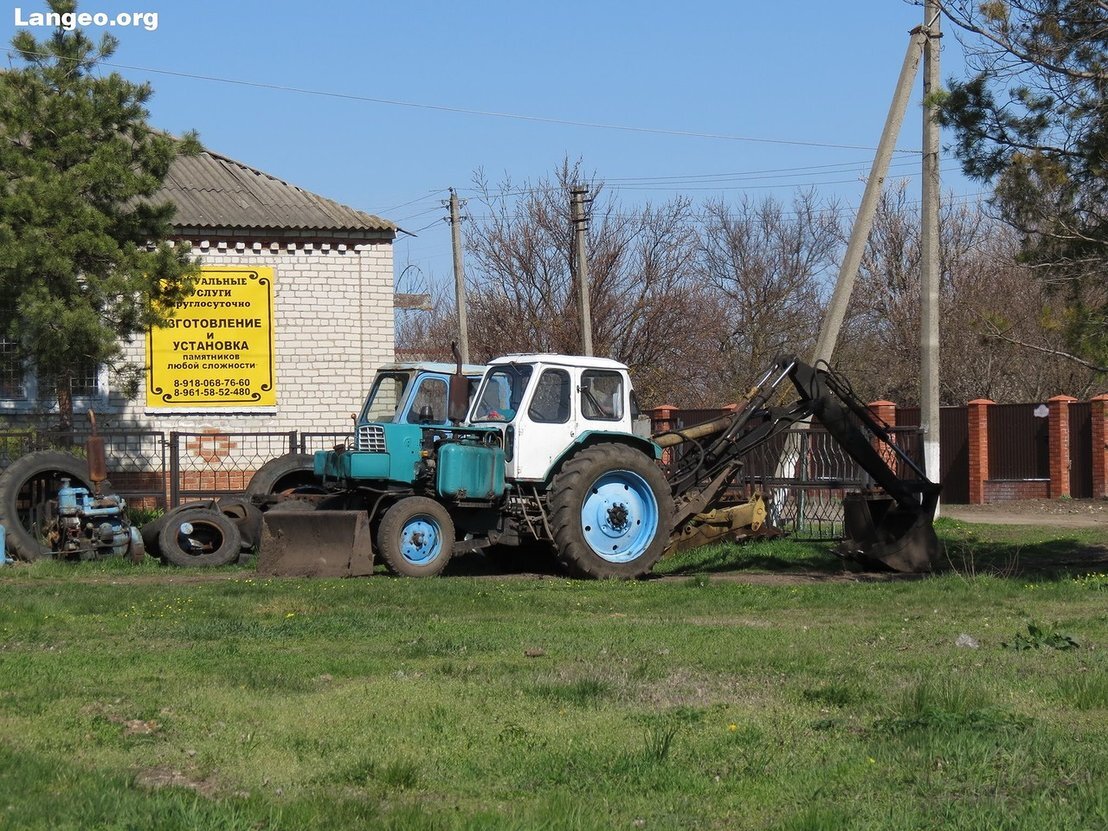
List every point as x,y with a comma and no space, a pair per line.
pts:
459,277
929,250
863,224
578,199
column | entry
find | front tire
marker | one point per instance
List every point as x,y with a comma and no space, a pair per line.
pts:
610,512
416,537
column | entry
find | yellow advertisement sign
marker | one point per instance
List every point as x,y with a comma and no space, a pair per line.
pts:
217,349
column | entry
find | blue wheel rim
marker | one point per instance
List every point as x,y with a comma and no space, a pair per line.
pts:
619,516
420,540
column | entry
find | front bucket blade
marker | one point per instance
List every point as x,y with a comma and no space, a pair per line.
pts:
315,544
883,534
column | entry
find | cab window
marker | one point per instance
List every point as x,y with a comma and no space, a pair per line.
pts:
388,392
428,403
550,403
502,393
601,395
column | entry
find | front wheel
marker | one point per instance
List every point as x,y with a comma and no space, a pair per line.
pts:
416,537
610,512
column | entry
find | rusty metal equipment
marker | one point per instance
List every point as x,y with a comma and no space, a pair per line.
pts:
49,510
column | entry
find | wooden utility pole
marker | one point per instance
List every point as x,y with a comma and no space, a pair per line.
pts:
863,224
459,277
579,213
929,250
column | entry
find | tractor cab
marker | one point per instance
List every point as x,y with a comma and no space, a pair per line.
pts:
545,404
413,393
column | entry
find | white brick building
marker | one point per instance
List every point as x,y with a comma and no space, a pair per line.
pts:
332,310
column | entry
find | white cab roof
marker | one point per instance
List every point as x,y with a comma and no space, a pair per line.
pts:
558,360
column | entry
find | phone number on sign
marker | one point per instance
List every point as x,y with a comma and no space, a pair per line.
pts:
199,387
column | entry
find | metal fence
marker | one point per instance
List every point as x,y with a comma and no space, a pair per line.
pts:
804,473
153,468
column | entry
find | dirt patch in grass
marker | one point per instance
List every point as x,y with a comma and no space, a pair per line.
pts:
1055,513
159,777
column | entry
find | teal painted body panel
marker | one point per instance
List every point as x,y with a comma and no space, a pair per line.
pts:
397,463
470,471
645,445
592,436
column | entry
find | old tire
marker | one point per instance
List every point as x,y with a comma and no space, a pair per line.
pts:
285,474
27,487
416,537
246,515
153,528
200,538
610,510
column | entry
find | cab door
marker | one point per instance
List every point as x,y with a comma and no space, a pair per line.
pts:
544,427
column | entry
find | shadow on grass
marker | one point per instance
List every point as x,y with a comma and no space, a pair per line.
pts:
1021,552
779,556
1058,558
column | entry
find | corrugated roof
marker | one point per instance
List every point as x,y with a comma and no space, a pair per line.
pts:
213,191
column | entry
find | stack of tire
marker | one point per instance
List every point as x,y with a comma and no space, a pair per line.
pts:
212,532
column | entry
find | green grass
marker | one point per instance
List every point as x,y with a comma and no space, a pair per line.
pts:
802,699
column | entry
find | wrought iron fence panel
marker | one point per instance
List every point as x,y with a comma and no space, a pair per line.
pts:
313,442
210,464
804,474
136,459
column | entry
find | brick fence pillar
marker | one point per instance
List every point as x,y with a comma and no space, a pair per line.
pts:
1059,431
977,416
885,412
661,418
1099,408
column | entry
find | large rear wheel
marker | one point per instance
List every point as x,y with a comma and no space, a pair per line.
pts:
610,512
416,537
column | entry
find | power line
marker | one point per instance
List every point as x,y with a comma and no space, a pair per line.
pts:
345,96
427,195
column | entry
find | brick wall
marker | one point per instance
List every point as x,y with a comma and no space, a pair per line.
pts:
333,326
1006,490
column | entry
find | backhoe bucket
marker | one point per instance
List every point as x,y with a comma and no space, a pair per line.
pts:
881,533
307,543
732,523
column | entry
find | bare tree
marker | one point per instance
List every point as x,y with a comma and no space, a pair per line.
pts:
985,294
767,266
648,309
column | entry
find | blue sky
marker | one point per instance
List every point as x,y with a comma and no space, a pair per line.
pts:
811,81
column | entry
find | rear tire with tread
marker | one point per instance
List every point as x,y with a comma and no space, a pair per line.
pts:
610,509
285,474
